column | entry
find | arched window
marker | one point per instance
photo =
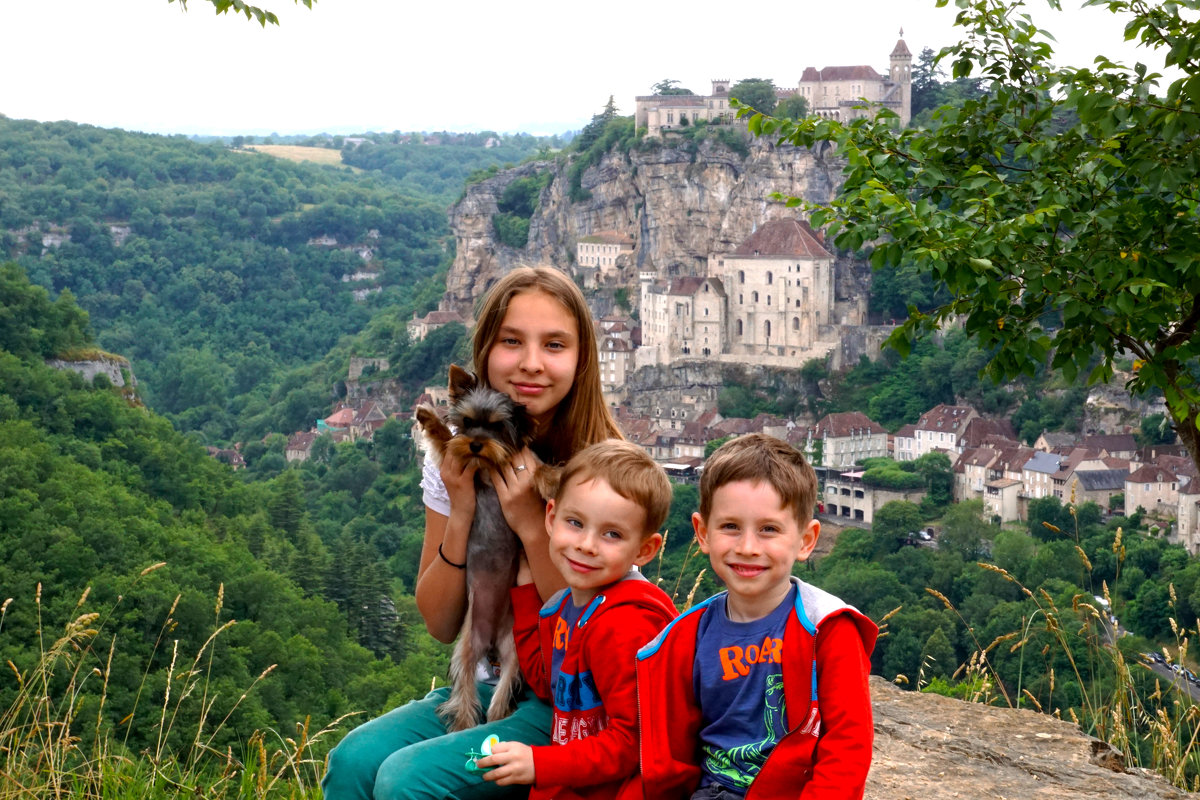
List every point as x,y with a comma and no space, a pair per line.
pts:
795,323
767,329
768,299
739,327
754,296
741,276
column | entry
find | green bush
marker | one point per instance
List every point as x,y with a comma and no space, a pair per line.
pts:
511,229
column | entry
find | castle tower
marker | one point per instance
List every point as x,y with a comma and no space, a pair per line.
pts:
901,76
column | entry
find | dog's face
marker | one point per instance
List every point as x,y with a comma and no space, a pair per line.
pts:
491,427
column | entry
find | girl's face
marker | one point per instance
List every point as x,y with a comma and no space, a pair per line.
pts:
536,351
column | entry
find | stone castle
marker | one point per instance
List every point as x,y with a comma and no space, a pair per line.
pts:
842,93
770,301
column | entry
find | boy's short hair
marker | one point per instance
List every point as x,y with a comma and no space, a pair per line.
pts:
759,458
631,473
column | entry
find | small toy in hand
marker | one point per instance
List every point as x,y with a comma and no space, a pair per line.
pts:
485,749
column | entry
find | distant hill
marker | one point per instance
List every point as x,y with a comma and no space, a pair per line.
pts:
216,272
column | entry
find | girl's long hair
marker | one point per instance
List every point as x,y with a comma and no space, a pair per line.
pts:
582,418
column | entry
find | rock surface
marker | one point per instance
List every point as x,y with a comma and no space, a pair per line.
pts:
682,203
929,747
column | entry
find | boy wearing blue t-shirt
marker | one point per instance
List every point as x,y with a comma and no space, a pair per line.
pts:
760,691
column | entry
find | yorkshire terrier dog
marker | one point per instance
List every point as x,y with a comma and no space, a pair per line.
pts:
489,429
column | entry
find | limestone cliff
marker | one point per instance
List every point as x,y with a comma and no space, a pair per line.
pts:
682,201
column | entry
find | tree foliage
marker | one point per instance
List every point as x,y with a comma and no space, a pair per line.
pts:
793,106
758,94
1063,190
930,92
259,15
667,86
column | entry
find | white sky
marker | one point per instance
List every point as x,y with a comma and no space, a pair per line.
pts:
357,65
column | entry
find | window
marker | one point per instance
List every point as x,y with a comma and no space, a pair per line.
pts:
754,296
670,117
768,299
770,278
739,327
795,323
741,276
767,328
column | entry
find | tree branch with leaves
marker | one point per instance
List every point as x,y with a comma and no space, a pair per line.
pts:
1059,209
260,15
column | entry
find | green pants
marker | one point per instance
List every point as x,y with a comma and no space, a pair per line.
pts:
406,754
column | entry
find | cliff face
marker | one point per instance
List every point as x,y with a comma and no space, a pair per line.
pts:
681,201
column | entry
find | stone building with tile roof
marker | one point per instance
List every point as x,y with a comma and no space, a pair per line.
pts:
770,301
843,93
847,438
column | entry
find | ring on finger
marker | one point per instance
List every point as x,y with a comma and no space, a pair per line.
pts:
520,467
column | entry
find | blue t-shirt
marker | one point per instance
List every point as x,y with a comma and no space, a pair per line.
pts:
564,625
738,682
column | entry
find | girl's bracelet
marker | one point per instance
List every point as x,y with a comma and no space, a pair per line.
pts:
448,561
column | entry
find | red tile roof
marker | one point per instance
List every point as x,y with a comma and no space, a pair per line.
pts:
944,417
783,237
846,423
860,72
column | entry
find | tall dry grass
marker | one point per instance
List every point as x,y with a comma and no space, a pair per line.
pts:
1155,730
45,754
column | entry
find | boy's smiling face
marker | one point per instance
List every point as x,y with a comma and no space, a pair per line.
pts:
596,535
752,540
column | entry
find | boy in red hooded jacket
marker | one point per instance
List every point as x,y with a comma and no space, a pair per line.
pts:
578,650
761,691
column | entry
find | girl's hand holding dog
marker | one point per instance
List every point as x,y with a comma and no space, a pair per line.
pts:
459,477
513,764
525,513
524,509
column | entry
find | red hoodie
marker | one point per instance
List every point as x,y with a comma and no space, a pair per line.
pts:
827,750
595,754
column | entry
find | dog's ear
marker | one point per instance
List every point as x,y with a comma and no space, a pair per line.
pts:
546,479
431,428
461,382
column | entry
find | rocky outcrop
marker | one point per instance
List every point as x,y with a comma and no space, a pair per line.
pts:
682,201
929,747
115,368
1110,408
